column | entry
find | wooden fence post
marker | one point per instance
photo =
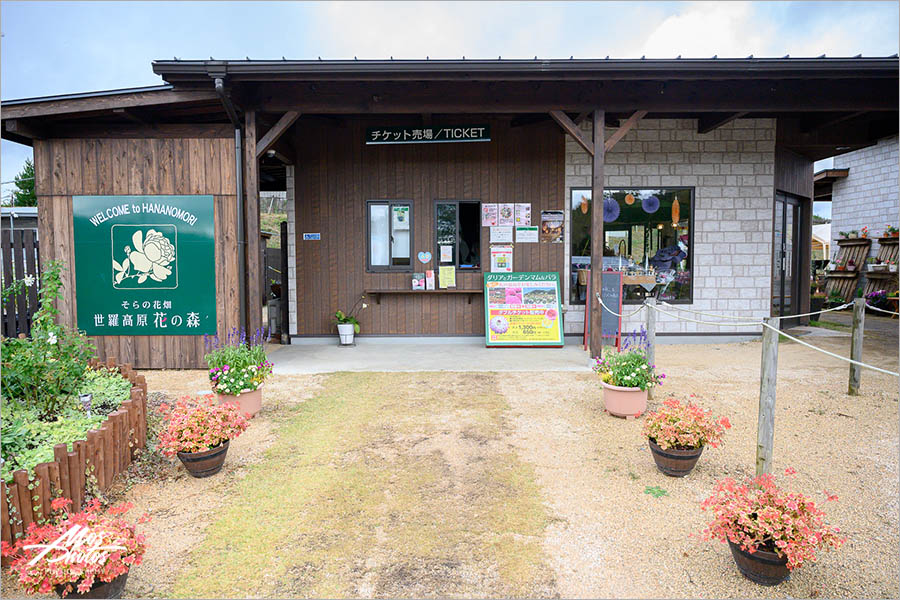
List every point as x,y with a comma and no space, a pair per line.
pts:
765,429
856,344
651,329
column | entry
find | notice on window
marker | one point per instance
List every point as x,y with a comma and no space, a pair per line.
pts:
507,214
489,215
446,254
447,277
523,215
522,309
501,235
552,226
526,235
501,259
401,218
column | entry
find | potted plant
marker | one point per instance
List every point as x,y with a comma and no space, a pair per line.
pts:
347,323
677,434
851,266
852,234
864,232
842,235
835,298
892,266
198,431
816,302
891,231
44,564
238,367
771,531
625,377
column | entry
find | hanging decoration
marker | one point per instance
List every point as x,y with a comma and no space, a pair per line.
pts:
676,213
610,209
584,205
650,205
629,199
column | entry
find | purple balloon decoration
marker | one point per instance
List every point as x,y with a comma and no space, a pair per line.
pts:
650,205
610,210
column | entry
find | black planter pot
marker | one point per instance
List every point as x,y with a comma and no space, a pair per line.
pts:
815,306
100,589
204,464
674,462
763,566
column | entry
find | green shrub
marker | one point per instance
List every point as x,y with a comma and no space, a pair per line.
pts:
108,388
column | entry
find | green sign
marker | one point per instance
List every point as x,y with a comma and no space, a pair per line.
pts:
428,135
145,265
522,309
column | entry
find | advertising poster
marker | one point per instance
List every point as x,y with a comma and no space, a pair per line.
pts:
429,279
523,215
501,235
522,309
401,218
501,259
145,265
552,226
526,234
489,214
446,254
507,215
447,277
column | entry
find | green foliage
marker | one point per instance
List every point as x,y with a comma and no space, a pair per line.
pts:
341,318
628,369
655,491
24,194
44,371
108,388
237,364
835,297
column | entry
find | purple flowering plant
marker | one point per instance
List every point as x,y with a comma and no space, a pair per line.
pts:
629,367
238,363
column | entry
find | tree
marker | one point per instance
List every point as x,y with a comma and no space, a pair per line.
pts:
24,194
817,220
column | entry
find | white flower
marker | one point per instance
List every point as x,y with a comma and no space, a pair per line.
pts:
29,280
364,305
51,338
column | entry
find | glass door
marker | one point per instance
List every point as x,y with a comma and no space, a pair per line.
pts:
785,285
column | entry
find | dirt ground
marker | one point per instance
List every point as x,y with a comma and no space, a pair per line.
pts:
518,484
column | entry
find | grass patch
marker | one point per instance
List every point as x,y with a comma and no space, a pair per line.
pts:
830,325
381,485
272,222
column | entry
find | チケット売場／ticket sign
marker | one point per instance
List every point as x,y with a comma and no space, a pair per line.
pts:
145,265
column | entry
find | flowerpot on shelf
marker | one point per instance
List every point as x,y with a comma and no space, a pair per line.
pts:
852,236
624,401
249,402
204,464
346,332
815,305
763,566
100,589
674,462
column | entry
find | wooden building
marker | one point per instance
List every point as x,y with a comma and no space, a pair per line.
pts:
729,141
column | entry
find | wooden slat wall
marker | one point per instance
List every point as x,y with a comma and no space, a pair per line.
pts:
120,166
336,174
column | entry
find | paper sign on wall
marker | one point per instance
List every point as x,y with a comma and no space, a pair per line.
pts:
501,259
523,215
429,279
507,214
501,235
552,226
401,218
526,234
447,277
489,215
446,254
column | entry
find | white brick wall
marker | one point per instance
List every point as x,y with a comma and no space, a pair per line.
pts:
292,252
867,197
732,171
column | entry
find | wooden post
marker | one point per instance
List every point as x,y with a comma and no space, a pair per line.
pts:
651,330
856,344
597,237
765,428
251,223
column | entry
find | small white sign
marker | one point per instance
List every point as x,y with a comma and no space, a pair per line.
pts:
446,254
527,234
501,235
501,259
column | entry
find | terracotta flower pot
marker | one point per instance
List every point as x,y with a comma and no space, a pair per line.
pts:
204,464
100,589
249,402
624,401
674,462
763,566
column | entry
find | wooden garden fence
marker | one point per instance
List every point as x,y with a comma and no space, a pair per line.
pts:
19,252
105,453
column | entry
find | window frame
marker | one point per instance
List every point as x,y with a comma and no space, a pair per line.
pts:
663,188
389,268
437,246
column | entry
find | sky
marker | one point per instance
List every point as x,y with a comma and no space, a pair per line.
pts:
66,47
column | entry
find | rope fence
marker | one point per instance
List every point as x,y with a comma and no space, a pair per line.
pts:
882,310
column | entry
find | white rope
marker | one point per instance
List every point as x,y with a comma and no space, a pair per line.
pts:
631,314
844,358
679,317
706,314
881,310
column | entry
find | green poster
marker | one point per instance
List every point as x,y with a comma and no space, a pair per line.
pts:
522,309
145,265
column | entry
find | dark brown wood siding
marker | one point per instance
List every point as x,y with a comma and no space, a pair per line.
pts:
124,166
793,173
336,173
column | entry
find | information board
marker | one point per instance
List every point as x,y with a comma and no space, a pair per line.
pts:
522,309
145,265
611,292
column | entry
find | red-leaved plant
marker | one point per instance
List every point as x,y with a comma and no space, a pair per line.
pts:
198,424
684,426
759,515
75,562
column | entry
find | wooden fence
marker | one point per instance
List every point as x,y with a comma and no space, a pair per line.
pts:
19,249
105,453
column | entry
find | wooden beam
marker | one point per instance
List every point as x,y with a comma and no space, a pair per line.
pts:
597,238
268,140
582,116
623,129
707,123
523,120
131,116
572,129
251,223
812,124
20,129
96,103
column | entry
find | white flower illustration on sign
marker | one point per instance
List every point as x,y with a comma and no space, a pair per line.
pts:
150,258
